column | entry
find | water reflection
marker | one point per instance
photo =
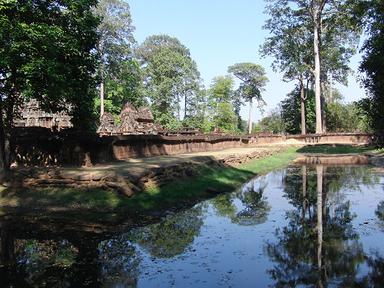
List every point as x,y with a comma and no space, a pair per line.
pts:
319,246
248,206
170,237
304,226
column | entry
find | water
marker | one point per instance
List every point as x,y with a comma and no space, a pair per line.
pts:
303,226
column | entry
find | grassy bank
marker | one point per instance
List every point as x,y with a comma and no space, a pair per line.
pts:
337,149
207,182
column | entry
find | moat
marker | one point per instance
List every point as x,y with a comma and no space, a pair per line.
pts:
302,226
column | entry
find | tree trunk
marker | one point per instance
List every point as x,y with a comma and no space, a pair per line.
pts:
304,180
316,45
320,175
302,101
7,248
3,167
250,117
102,98
185,106
323,115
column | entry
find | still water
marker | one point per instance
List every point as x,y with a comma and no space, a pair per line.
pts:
303,226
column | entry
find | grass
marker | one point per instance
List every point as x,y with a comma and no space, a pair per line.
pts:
181,193
207,182
336,149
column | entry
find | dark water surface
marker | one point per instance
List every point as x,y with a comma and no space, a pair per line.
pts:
304,226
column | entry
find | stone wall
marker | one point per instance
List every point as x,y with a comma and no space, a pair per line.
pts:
42,147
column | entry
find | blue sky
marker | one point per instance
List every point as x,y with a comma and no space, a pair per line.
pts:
220,33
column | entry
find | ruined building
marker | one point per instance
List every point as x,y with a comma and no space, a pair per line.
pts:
132,121
31,115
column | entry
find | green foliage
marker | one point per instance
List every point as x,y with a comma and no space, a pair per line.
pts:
273,123
47,53
225,118
170,237
372,65
170,77
126,88
335,149
253,80
345,118
290,112
120,73
312,40
222,89
116,35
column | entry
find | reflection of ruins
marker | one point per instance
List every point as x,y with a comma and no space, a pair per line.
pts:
320,247
31,115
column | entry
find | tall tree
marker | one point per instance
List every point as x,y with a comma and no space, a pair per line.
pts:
295,63
290,111
46,53
222,90
373,63
334,35
115,49
253,81
170,77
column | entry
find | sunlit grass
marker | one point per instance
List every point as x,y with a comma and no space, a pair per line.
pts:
207,182
337,149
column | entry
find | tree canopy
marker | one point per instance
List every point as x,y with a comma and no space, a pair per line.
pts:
253,81
120,75
328,28
170,77
46,53
373,63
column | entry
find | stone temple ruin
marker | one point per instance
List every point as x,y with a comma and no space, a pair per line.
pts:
132,122
31,115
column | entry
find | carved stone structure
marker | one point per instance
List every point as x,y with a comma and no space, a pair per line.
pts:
33,116
132,122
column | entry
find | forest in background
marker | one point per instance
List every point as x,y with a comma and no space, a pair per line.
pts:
82,56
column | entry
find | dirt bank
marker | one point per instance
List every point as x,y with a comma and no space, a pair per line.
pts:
135,175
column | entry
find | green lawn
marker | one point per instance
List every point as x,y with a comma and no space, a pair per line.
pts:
337,149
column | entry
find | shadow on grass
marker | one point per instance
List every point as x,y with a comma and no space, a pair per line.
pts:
207,180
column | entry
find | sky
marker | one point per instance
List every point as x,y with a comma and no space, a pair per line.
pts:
220,33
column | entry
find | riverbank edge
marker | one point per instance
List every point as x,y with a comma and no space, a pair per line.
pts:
156,201
206,181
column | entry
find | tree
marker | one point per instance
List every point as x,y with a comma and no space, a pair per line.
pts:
372,64
224,117
253,81
46,53
272,123
334,34
127,87
290,111
115,52
170,77
293,62
222,89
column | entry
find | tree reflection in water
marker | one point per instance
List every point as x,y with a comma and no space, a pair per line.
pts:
247,207
45,255
319,246
172,236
